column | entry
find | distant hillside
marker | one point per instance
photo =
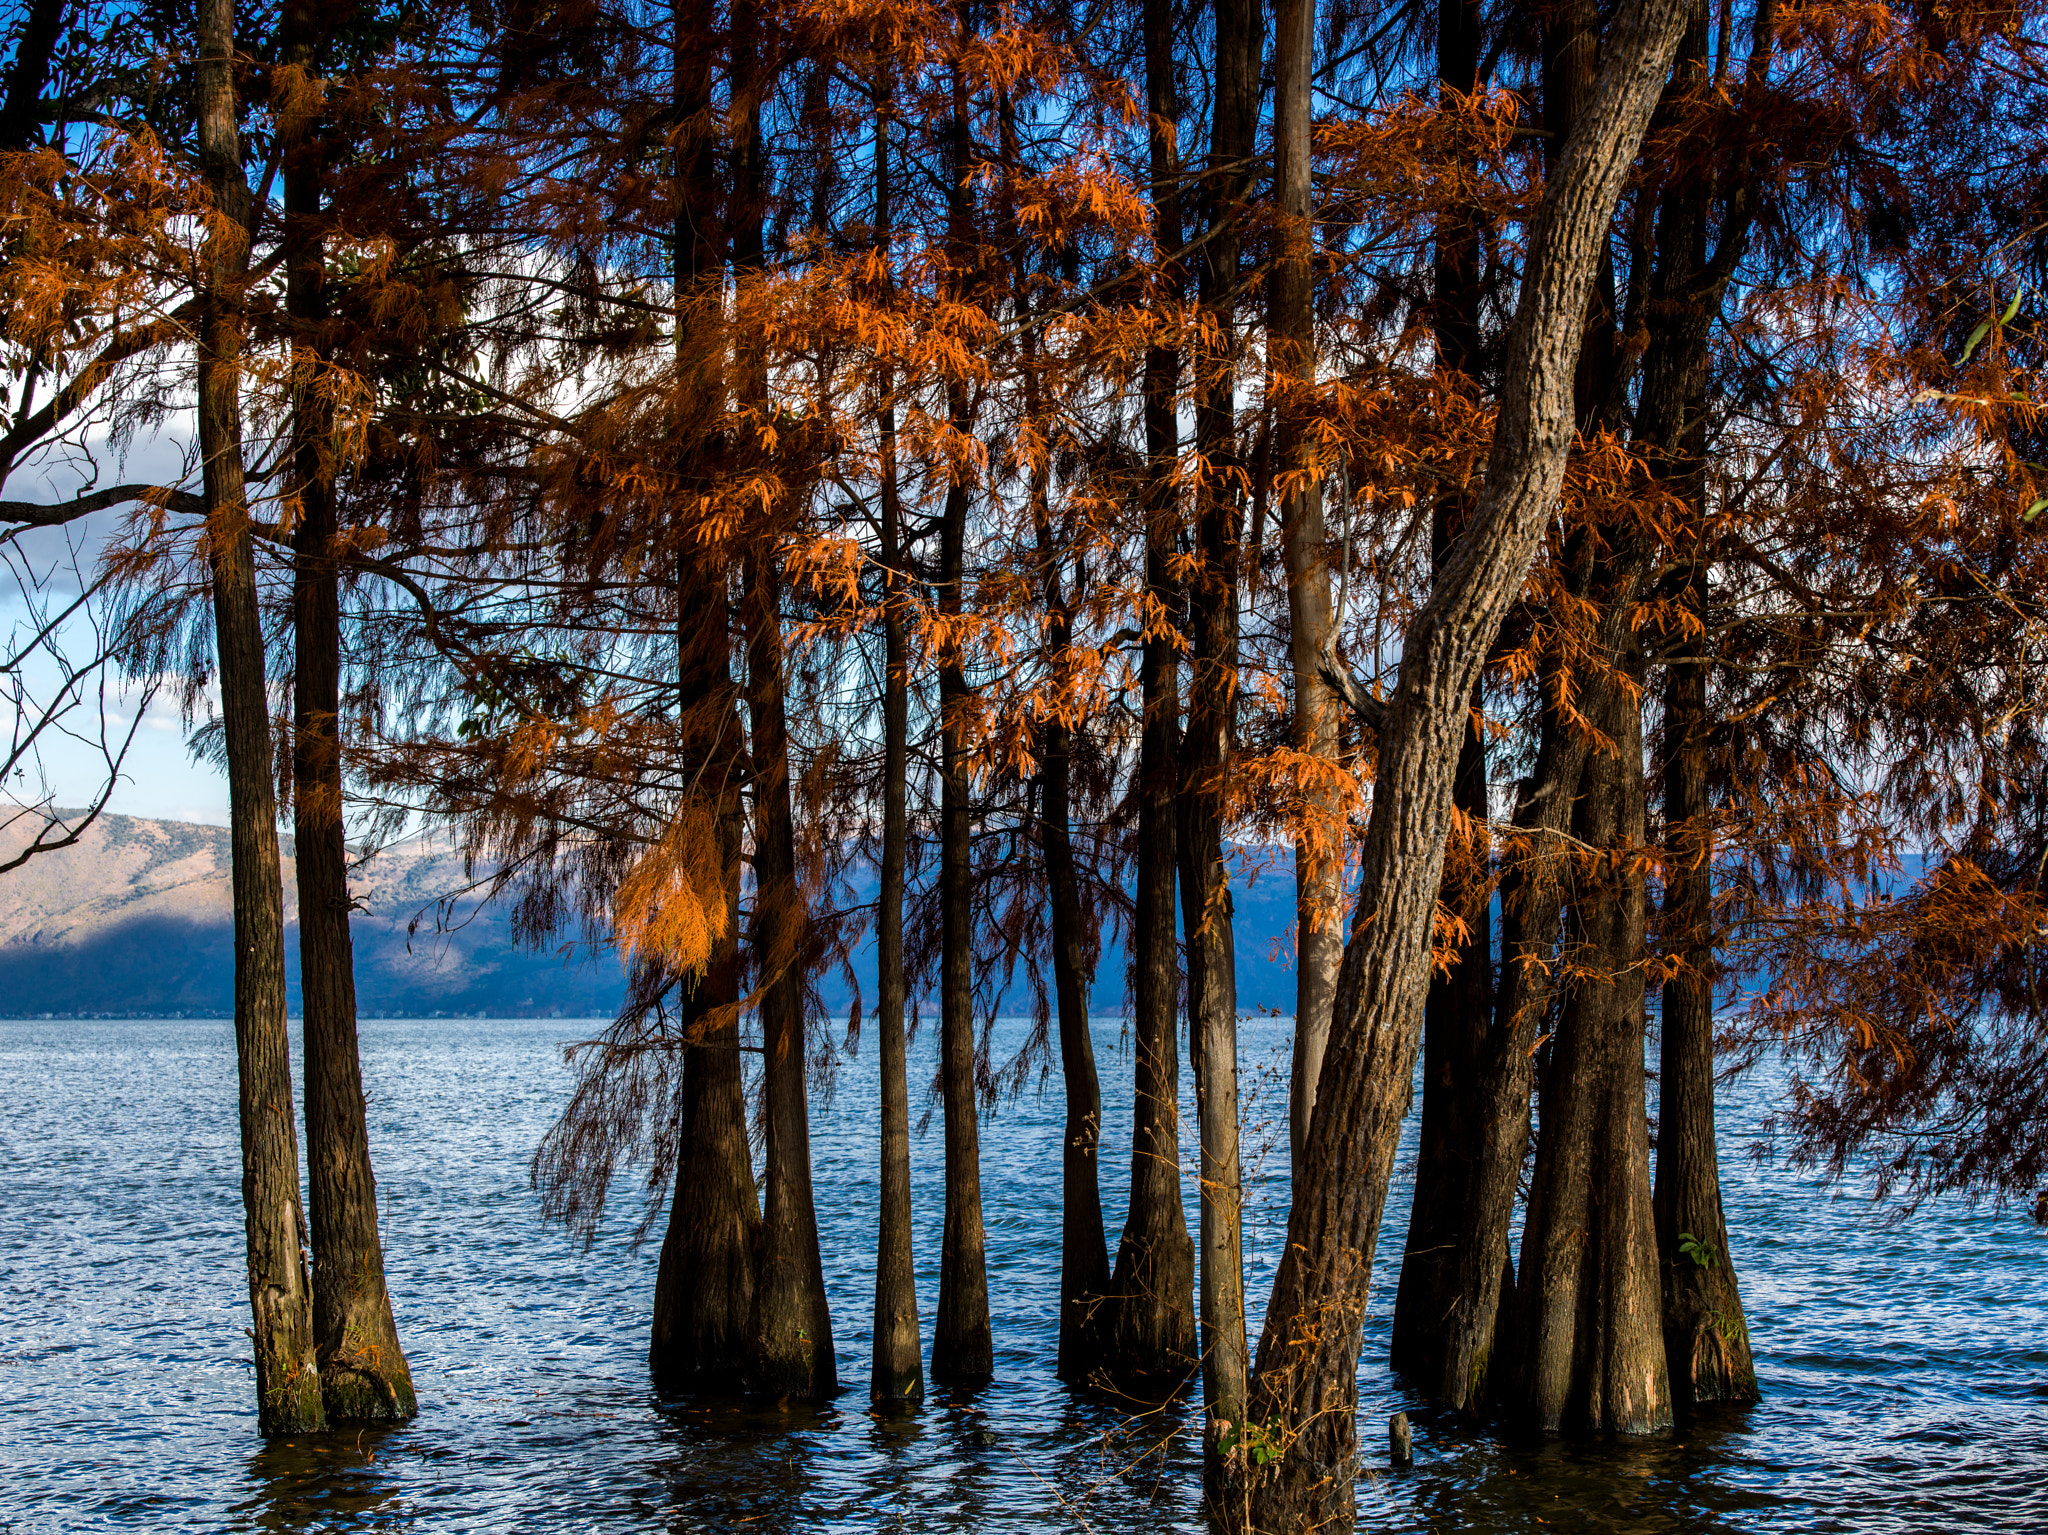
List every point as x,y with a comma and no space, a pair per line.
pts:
136,920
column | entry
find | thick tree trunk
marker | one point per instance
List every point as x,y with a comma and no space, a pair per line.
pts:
363,1373
701,1338
792,1325
280,1289
704,1290
1206,753
898,1371
1304,1398
1148,1332
1590,1354
1457,1018
1319,849
704,1285
1455,1271
1706,1337
963,1349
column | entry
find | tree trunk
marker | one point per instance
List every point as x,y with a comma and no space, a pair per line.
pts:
1206,754
1457,1018
898,1371
1590,1352
1706,1337
704,1291
1455,1271
21,107
363,1373
280,1289
1304,1398
1148,1333
1084,1259
792,1325
963,1350
1319,848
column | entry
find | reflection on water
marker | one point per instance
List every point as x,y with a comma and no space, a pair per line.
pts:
1905,1368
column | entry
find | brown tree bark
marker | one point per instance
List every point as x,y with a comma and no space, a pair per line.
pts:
704,1289
1304,1395
701,1340
792,1324
1706,1336
280,1288
1207,751
963,1349
1439,1295
1590,1354
897,1375
1319,855
791,1327
364,1377
1148,1323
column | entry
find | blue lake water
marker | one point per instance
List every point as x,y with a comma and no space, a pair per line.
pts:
1905,1367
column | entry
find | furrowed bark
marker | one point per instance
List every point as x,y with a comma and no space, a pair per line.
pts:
1706,1336
1084,1259
897,1375
1590,1353
280,1288
1304,1393
1319,852
1441,1296
1148,1331
791,1328
963,1349
1206,753
792,1325
364,1377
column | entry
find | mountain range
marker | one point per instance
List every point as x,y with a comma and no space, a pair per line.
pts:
136,920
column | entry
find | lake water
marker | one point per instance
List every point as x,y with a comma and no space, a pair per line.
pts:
1905,1368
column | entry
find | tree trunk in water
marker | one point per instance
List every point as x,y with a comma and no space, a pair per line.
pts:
280,1289
1706,1337
1319,850
897,1375
1455,1272
963,1351
792,1326
1212,717
1304,1396
1148,1333
1084,1260
704,1288
701,1339
363,1373
1457,1019
1590,1351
